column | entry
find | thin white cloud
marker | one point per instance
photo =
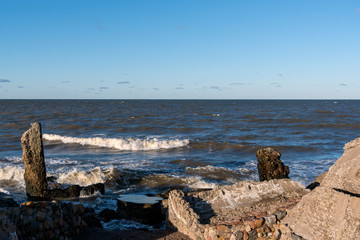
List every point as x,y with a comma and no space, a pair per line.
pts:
238,83
215,88
275,84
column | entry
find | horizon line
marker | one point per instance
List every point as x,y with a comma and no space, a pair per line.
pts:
184,99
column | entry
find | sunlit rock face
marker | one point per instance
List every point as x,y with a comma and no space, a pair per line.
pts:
331,211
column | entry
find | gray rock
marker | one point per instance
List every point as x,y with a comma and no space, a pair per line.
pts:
33,158
331,211
270,220
345,173
280,215
270,166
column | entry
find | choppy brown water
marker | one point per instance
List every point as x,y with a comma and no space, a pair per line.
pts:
150,146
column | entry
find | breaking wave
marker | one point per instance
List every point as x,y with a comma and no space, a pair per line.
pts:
217,173
82,178
129,144
12,176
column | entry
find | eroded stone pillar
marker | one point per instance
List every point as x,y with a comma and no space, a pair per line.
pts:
34,162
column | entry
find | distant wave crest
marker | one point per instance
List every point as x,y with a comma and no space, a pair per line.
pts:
129,144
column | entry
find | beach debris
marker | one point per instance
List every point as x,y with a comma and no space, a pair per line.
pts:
331,211
270,166
36,182
33,158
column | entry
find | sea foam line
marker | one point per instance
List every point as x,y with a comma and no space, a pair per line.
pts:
129,144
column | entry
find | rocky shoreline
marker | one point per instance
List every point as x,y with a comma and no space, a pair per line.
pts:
276,208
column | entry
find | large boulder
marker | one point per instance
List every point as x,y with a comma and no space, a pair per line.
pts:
331,211
270,166
326,214
345,173
33,158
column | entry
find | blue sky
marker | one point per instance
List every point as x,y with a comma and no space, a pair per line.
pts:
167,49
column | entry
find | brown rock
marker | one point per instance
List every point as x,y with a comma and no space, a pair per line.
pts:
270,166
256,223
33,158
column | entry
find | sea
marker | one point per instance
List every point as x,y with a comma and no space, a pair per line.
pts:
139,147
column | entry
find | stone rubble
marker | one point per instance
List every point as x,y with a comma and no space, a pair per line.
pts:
245,210
45,220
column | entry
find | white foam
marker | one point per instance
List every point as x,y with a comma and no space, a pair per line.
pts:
198,183
251,163
85,194
130,144
209,168
124,224
11,173
82,178
14,159
245,170
4,191
60,161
